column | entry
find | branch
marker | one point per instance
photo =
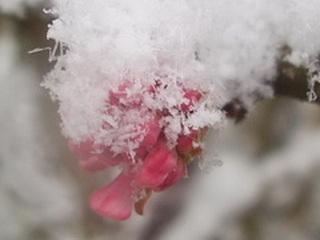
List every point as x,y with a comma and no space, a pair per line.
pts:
292,82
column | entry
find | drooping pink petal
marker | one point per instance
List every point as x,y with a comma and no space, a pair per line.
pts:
115,200
156,166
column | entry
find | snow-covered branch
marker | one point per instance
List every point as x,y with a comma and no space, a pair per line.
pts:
297,82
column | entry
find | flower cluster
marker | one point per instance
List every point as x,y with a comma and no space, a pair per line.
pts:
153,166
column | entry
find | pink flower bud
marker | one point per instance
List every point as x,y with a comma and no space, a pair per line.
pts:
155,166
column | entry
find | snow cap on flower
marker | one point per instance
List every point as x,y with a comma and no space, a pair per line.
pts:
224,48
140,82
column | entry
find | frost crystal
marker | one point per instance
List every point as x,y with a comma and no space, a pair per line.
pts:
314,78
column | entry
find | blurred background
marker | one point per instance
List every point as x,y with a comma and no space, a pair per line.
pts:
260,179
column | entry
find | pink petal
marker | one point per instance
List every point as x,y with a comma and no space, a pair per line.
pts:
156,167
174,176
115,200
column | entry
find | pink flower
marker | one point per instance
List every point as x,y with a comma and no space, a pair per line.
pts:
155,166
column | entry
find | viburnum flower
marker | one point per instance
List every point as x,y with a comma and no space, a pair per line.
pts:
154,166
139,83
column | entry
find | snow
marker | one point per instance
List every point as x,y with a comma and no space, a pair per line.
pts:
223,48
